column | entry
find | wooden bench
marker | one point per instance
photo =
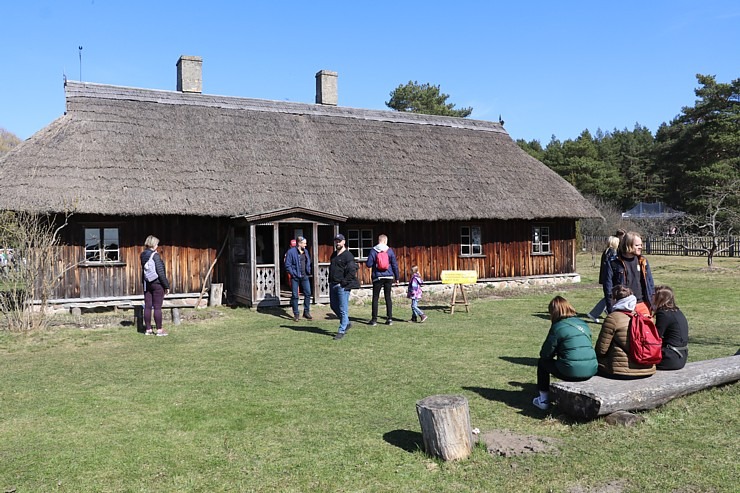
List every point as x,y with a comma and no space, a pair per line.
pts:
600,396
172,302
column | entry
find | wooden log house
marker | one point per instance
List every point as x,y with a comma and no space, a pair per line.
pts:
199,171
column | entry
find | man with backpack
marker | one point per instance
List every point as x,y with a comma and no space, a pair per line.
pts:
383,262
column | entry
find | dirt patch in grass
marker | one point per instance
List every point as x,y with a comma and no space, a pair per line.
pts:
509,444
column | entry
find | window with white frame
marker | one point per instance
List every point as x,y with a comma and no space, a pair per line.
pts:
360,242
541,240
102,245
470,241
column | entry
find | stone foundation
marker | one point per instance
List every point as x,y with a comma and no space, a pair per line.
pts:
437,289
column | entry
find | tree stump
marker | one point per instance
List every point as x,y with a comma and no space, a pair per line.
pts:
445,426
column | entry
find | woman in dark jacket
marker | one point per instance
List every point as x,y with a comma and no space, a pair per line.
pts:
570,340
155,288
672,327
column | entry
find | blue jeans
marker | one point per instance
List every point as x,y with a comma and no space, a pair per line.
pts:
415,308
305,284
339,302
598,309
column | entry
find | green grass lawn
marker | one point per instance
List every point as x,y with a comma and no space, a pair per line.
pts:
251,401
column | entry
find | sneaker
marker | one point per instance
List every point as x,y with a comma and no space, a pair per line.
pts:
389,321
307,316
593,319
339,335
539,403
162,333
373,323
149,332
413,319
296,317
423,319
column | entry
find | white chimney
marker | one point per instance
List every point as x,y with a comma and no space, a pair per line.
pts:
326,87
190,74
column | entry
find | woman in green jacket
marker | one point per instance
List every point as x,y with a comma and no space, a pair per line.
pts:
570,340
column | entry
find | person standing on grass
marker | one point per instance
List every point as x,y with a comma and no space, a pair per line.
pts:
607,256
156,285
342,280
298,265
414,293
672,327
383,262
567,352
630,269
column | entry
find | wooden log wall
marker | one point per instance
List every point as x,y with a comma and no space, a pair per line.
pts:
507,246
188,246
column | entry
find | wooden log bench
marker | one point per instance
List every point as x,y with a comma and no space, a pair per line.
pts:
600,396
172,302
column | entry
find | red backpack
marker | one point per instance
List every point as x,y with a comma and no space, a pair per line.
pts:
383,262
644,343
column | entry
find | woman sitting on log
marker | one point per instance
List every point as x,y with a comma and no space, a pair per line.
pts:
672,327
612,341
570,340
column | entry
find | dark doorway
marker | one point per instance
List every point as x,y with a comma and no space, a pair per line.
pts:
288,232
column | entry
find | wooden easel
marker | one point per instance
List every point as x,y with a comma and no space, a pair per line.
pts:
456,302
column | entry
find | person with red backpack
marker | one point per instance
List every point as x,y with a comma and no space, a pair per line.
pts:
383,262
613,345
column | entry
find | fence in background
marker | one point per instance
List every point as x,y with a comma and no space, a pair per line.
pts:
674,245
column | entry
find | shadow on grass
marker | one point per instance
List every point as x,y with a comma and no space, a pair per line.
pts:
309,328
542,315
276,311
518,399
520,361
410,441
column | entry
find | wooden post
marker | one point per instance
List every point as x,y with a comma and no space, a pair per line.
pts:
139,317
175,316
217,290
445,426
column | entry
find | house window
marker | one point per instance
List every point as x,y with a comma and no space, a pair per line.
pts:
541,240
101,245
360,242
470,241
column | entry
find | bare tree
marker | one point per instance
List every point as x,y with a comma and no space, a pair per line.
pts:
721,217
31,267
595,231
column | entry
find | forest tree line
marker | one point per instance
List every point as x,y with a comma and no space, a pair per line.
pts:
689,161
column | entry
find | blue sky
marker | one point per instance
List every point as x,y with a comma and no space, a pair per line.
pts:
547,67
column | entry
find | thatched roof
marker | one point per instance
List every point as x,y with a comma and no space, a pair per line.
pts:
126,151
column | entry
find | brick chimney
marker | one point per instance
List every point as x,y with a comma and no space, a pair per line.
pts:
326,87
190,74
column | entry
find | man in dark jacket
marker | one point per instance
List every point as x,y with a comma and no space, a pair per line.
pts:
298,265
383,277
342,279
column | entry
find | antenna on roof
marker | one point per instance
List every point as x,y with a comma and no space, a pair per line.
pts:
80,63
